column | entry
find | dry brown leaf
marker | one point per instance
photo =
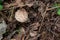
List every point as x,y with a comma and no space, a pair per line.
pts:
34,33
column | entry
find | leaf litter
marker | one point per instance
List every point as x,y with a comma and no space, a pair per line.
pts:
43,24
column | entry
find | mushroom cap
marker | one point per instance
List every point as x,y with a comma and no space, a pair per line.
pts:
21,15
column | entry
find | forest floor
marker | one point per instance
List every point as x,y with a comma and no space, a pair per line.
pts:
44,22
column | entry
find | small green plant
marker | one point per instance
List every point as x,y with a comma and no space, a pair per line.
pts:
58,8
1,6
58,11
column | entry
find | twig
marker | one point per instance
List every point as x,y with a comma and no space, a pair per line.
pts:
11,34
52,8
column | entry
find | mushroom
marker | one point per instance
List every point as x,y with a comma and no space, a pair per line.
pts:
21,15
